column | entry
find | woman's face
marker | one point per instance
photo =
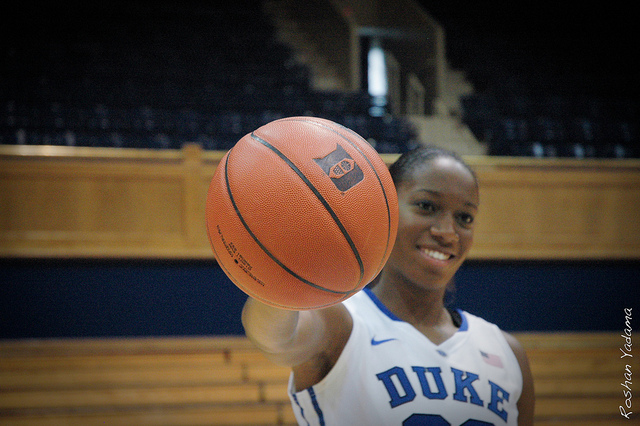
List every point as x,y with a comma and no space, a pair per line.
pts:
438,203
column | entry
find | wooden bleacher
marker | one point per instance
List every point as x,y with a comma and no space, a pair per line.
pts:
225,381
146,381
577,377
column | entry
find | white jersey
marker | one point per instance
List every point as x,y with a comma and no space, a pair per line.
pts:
391,374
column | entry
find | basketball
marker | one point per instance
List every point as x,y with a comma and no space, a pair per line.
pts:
301,213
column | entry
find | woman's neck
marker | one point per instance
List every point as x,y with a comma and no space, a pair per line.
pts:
420,307
415,305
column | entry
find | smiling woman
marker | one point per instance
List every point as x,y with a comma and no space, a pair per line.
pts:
442,198
394,353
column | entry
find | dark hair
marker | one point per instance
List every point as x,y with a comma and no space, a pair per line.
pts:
409,160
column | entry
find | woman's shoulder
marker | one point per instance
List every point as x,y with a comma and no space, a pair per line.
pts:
474,321
486,332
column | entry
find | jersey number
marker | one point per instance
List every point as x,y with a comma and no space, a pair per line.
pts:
437,420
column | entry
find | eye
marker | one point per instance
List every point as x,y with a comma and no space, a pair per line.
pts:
465,219
426,206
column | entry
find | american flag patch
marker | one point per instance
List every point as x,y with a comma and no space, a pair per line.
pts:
492,359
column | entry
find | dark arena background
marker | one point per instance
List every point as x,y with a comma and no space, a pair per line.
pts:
113,117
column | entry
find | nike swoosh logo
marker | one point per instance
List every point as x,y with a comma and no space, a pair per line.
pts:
375,342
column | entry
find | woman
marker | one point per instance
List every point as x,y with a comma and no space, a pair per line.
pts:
394,354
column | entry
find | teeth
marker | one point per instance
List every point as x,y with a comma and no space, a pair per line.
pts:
436,254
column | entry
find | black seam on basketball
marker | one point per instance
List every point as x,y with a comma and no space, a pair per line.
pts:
228,272
384,193
248,290
319,196
255,238
244,288
386,250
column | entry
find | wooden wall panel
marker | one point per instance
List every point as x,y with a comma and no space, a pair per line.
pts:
98,202
558,208
102,203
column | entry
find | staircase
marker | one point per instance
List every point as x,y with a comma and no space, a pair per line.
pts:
445,128
318,35
309,28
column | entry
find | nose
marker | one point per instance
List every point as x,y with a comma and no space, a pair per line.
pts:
443,230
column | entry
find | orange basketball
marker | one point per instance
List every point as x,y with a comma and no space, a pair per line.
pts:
301,213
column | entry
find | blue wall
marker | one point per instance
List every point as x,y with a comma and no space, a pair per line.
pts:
96,298
116,298
550,296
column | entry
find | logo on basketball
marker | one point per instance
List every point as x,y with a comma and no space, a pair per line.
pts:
341,168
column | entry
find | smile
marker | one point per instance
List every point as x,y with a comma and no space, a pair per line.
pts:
436,254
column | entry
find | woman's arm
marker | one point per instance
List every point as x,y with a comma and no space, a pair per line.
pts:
526,403
308,341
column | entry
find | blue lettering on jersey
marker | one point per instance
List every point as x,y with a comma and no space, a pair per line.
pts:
426,388
498,396
465,383
425,420
396,382
396,398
